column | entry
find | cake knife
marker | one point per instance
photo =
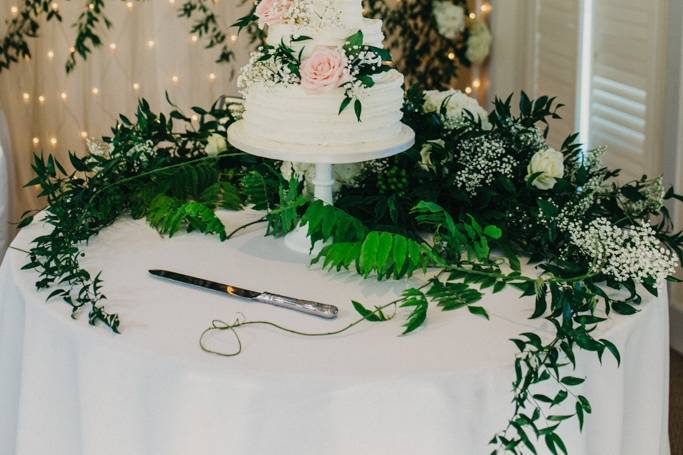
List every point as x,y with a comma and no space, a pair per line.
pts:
304,306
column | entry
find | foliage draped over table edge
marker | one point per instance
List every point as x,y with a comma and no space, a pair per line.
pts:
176,174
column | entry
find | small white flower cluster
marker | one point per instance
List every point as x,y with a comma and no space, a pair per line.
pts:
478,43
654,192
455,103
326,17
354,88
528,138
482,159
594,157
267,71
450,19
623,253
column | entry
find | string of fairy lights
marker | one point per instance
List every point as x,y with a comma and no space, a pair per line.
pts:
481,10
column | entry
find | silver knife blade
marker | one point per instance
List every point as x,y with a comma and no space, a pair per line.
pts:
305,306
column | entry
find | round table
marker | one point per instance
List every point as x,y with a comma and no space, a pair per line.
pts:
67,388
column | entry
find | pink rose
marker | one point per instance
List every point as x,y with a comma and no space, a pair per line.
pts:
272,11
324,70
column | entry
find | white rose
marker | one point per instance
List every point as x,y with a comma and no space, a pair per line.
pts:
551,163
426,153
479,43
456,104
215,145
450,19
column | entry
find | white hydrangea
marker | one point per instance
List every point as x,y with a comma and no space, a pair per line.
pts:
450,19
478,43
633,252
456,102
482,158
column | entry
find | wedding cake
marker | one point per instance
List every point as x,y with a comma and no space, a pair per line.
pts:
322,78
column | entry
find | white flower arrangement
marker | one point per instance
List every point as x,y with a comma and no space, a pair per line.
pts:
317,16
450,19
479,42
451,105
624,253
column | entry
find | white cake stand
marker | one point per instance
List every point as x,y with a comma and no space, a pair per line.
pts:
323,156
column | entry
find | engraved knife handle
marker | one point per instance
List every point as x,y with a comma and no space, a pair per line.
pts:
304,306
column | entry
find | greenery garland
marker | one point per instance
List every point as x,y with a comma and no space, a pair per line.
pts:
478,183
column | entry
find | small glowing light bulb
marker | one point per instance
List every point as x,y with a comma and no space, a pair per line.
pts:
41,99
451,56
26,97
212,76
129,5
72,49
486,8
473,16
50,54
194,118
136,86
468,90
175,79
194,38
476,83
84,134
91,6
54,6
233,38
53,141
112,46
14,10
63,95
150,43
95,90
35,141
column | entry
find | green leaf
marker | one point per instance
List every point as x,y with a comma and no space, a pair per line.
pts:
357,109
372,316
493,231
368,253
478,311
572,381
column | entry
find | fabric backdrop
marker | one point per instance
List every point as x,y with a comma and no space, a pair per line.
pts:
148,45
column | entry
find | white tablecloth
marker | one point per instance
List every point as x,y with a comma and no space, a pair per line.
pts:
69,389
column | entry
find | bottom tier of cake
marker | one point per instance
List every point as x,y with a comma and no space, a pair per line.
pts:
289,114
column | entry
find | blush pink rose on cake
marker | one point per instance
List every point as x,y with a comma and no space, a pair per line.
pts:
325,70
271,12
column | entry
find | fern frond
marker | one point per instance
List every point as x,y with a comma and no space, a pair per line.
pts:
255,190
326,222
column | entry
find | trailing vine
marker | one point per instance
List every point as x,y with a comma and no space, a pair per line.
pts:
479,183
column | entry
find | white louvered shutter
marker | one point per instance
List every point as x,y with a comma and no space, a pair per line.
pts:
555,60
625,82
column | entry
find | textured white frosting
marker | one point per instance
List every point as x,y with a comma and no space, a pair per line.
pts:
289,114
350,11
371,28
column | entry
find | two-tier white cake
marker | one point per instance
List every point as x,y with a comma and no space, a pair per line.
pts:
322,79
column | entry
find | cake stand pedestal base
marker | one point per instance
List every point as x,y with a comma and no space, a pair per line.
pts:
297,240
323,156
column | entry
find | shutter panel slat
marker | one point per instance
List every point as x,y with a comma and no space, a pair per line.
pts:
624,55
556,57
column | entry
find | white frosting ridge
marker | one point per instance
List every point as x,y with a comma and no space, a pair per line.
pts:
288,114
371,28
